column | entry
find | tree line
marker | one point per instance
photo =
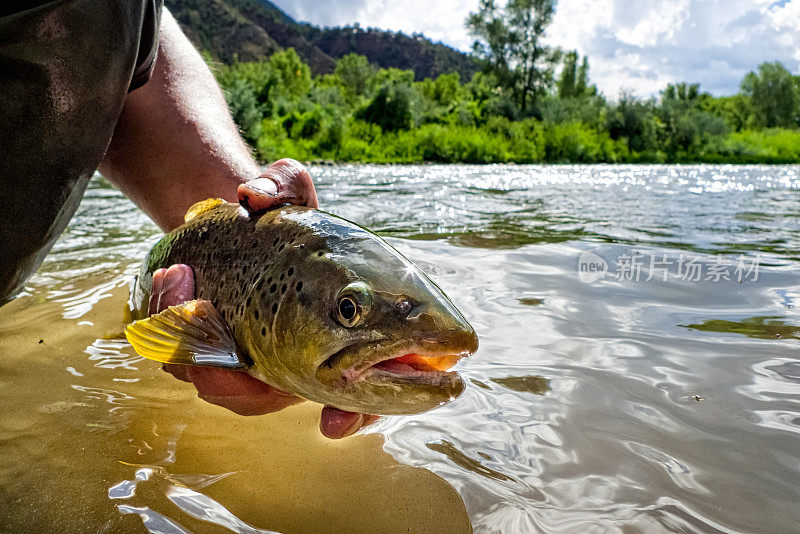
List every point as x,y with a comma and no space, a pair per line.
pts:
531,103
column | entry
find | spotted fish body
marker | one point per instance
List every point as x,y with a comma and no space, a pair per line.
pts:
283,285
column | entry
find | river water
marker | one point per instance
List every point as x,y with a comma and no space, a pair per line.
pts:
639,369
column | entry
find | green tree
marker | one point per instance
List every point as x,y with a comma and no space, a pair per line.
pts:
355,73
293,77
774,95
574,80
569,73
483,86
244,108
395,107
582,87
445,90
735,110
393,76
510,40
682,92
632,120
685,129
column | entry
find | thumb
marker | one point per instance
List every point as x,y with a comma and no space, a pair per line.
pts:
337,424
286,181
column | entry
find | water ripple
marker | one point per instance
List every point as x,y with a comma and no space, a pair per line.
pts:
650,405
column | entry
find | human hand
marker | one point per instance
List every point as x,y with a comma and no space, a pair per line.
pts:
286,181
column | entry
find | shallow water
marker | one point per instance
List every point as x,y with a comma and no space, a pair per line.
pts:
659,394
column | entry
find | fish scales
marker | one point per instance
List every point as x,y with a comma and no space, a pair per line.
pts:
314,305
261,260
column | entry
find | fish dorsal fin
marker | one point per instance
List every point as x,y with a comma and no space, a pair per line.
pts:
199,208
192,333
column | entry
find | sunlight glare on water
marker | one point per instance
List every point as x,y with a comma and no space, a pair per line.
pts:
637,397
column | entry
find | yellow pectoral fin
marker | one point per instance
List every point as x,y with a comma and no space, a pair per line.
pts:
192,333
198,208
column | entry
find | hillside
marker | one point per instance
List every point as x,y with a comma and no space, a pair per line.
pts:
251,30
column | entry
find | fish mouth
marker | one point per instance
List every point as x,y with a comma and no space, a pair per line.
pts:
409,367
400,363
393,377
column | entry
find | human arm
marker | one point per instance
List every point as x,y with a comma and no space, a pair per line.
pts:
176,144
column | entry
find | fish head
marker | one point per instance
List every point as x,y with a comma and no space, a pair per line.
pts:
368,331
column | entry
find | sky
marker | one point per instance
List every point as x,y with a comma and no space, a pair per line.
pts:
636,46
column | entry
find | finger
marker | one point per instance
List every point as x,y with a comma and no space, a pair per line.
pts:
177,286
181,372
286,181
336,424
155,293
238,391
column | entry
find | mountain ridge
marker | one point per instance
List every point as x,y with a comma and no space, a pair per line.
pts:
252,30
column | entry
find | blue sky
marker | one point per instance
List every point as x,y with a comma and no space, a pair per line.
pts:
633,45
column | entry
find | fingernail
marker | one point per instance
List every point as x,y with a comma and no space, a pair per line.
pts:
268,186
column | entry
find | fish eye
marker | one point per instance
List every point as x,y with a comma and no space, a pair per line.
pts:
353,304
347,308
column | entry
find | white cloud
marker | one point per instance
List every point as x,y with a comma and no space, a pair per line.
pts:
438,20
641,45
637,45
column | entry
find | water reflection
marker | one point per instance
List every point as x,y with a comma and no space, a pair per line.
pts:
538,385
465,462
686,208
582,410
531,301
755,327
182,491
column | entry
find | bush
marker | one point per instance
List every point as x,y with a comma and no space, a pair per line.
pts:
579,143
363,114
461,145
244,108
766,146
393,108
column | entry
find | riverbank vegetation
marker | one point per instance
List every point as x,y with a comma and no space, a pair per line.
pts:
530,104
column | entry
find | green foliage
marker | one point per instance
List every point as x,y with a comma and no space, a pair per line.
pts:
569,75
293,77
244,108
682,92
765,146
578,143
774,95
588,110
515,109
683,129
582,86
574,81
509,39
363,114
445,90
736,110
632,121
283,75
395,107
355,74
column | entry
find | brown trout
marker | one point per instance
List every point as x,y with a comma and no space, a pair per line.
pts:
311,304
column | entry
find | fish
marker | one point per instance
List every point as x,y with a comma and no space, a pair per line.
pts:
309,303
